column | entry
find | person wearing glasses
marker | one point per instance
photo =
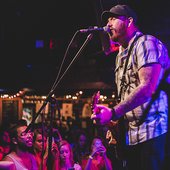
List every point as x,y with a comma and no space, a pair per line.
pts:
22,143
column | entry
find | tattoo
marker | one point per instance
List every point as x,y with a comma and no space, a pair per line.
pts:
148,78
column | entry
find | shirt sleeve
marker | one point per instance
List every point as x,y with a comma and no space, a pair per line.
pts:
151,50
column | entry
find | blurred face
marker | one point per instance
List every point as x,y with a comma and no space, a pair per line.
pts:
82,140
118,27
24,140
38,144
64,153
96,144
6,137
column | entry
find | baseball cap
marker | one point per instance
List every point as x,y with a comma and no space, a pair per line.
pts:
119,10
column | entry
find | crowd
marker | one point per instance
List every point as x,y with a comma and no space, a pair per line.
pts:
30,150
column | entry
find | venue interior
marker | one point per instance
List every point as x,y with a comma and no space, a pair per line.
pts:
44,56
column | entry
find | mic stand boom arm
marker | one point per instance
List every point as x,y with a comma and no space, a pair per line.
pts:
48,99
89,37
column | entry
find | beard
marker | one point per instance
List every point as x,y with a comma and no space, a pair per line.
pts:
118,34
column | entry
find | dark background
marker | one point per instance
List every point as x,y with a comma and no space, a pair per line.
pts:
55,22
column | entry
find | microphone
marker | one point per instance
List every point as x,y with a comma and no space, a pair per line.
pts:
95,29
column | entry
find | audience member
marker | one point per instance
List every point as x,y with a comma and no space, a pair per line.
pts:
5,141
66,161
22,143
81,148
40,149
113,152
98,159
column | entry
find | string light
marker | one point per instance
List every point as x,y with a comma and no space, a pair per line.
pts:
40,99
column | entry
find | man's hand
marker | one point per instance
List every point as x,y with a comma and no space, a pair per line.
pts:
103,116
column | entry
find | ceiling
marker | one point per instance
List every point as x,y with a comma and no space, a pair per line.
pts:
55,23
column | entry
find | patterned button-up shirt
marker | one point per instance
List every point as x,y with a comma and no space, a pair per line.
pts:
147,49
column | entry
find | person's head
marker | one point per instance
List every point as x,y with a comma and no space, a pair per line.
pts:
65,151
20,139
5,140
121,20
82,139
39,144
97,142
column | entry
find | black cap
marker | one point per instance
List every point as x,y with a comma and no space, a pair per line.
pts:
119,10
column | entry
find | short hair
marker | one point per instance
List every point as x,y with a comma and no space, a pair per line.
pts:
13,130
13,133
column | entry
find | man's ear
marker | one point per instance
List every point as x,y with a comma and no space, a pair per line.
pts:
130,19
14,140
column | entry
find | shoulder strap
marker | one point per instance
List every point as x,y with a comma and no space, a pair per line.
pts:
124,71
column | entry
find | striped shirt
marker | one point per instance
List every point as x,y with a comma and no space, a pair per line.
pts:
147,49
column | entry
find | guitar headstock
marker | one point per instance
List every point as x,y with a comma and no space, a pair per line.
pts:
95,99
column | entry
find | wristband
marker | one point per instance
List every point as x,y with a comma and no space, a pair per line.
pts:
114,117
90,157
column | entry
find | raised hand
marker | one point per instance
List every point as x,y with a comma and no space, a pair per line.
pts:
103,116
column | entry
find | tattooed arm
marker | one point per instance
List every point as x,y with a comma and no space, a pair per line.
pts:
148,77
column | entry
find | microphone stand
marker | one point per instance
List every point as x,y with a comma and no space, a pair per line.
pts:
48,99
51,99
43,131
53,104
